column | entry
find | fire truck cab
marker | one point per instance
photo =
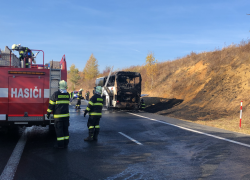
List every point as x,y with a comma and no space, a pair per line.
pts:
25,92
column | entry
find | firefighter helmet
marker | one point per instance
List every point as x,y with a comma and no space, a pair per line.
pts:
62,84
13,46
80,89
98,89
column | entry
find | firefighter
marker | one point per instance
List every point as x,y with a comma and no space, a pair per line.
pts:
87,95
70,96
59,105
79,97
94,109
24,53
142,104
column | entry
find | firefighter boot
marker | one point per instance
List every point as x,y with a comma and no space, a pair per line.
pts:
90,137
95,137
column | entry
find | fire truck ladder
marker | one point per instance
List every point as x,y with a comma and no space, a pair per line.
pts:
55,77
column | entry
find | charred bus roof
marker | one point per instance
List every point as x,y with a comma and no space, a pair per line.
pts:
101,81
128,73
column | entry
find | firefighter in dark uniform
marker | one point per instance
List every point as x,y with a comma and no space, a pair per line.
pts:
94,109
59,105
142,104
79,97
87,95
24,53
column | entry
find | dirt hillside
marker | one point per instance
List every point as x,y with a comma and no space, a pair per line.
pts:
206,87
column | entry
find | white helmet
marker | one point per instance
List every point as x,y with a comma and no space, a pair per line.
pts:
13,46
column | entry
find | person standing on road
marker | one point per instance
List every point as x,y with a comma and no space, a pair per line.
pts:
87,95
142,104
79,97
94,109
59,105
71,96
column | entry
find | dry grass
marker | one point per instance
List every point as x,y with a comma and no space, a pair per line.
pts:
228,124
208,82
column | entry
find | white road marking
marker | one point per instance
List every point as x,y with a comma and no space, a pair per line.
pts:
130,138
199,132
10,169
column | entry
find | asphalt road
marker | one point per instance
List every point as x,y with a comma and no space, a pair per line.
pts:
130,146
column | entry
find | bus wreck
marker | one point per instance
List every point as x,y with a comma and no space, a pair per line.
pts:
122,91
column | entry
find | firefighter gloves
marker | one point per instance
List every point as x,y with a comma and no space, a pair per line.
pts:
85,112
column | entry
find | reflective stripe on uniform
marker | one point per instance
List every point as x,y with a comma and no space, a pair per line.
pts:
62,102
66,137
91,103
87,109
52,102
91,127
49,110
95,114
63,96
99,99
97,126
98,104
60,138
61,115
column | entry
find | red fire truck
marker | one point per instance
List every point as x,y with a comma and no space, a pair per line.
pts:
25,92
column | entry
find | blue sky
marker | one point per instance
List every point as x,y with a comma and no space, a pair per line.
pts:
121,33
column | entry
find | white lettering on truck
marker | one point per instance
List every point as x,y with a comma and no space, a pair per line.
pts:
20,93
13,92
35,95
26,93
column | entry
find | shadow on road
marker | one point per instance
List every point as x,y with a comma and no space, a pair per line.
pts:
159,104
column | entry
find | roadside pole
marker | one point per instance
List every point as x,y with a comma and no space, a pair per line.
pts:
240,113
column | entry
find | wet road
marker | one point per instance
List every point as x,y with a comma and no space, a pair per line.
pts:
131,145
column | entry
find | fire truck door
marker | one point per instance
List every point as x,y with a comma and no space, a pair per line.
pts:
26,95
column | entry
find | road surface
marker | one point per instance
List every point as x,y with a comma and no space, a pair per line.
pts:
131,145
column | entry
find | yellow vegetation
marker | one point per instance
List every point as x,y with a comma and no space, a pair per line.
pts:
211,85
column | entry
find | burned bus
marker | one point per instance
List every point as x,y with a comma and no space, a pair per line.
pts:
122,91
